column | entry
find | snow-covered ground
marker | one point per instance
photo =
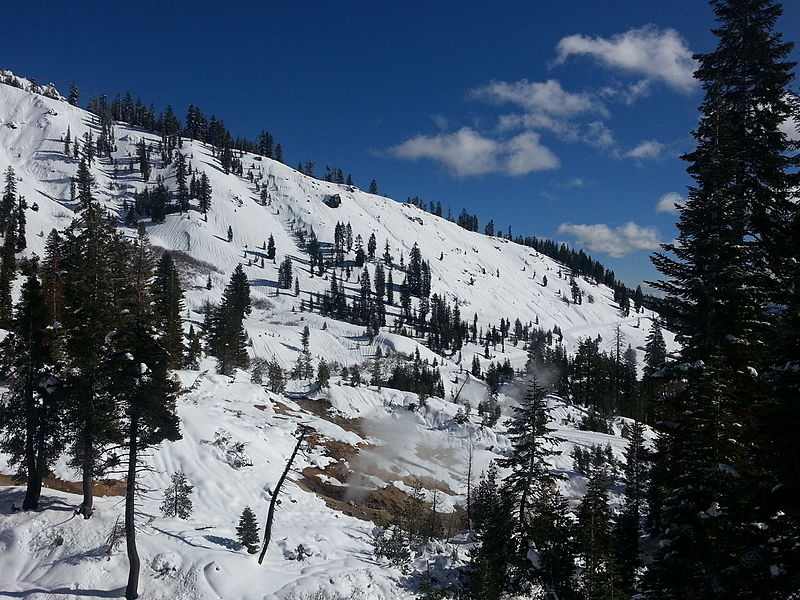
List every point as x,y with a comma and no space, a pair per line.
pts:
55,554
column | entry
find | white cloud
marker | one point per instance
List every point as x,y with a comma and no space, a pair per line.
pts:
627,94
595,133
440,121
467,152
549,107
647,150
575,182
546,97
615,242
667,202
598,134
524,154
646,51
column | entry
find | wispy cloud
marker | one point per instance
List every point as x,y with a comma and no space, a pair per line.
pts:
441,122
547,97
547,106
615,242
467,152
657,55
575,182
667,202
646,150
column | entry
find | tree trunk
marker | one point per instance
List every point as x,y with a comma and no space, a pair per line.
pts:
33,491
87,506
132,590
273,502
34,483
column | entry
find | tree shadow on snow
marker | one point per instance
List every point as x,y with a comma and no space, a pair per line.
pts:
65,591
11,501
223,541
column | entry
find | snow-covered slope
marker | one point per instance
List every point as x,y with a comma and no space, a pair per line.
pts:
366,436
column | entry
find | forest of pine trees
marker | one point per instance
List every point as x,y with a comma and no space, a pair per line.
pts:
708,509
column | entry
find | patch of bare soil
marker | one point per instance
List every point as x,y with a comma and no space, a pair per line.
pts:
323,409
102,487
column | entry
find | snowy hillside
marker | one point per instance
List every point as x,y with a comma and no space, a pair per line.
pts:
367,446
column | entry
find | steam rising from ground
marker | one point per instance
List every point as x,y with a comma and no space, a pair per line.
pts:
400,451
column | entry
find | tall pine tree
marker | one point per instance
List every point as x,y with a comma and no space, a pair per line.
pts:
729,279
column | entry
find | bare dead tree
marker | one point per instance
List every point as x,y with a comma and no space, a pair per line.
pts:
276,491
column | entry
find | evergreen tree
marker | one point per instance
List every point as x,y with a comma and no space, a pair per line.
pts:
227,337
655,357
193,350
8,266
277,379
323,374
52,277
94,283
304,369
84,182
22,241
159,199
8,201
731,268
628,528
177,501
550,534
30,418
168,304
143,156
271,248
377,369
532,444
285,273
493,571
74,94
204,194
247,531
373,187
140,384
182,191
594,542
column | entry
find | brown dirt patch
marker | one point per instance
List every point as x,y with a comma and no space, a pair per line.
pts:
334,498
102,487
323,409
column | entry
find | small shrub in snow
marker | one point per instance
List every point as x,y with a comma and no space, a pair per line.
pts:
301,553
115,537
235,451
391,543
259,370
462,416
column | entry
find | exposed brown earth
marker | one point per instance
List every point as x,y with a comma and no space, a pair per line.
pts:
102,487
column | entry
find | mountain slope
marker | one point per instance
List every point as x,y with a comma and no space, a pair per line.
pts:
367,439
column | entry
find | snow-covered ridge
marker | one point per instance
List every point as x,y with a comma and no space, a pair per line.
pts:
50,555
491,277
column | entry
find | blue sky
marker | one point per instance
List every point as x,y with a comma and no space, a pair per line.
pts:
560,119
